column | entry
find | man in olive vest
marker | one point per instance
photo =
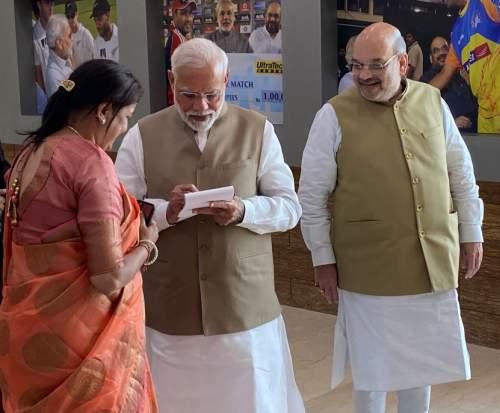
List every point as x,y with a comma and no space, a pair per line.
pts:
405,211
215,336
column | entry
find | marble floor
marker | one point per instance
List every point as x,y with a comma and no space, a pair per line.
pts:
311,336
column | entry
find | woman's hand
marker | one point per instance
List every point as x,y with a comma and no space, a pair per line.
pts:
150,232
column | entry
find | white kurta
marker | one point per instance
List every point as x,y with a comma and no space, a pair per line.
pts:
397,343
246,372
261,41
58,70
392,343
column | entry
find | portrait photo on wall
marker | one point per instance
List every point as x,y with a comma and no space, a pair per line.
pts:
451,44
249,31
67,33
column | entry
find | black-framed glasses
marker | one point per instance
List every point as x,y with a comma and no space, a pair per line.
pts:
372,67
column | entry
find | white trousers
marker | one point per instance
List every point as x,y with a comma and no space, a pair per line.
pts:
409,401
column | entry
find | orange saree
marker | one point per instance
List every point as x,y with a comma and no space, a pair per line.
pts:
64,346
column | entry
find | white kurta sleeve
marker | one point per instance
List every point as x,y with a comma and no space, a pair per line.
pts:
276,207
464,190
317,181
130,170
52,81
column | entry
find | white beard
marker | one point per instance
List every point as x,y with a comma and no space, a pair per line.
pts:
197,126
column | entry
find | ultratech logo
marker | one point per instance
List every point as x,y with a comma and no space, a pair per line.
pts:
272,67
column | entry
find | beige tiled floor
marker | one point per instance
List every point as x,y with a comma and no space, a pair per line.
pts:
311,335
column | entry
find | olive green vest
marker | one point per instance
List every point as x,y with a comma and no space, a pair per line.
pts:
208,279
394,229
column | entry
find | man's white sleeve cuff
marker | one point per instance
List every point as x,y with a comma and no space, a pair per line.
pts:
248,218
470,233
323,256
160,216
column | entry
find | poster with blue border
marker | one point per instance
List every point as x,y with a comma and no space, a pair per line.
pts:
256,82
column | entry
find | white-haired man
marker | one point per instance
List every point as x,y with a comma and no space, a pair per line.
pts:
59,41
216,338
42,10
226,37
404,197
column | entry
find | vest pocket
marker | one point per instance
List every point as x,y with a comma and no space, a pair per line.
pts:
453,216
432,131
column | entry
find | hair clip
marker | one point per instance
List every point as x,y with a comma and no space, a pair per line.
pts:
67,85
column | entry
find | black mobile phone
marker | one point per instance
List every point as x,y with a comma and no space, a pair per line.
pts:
147,209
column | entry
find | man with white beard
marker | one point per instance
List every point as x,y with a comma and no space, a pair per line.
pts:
215,335
60,44
227,36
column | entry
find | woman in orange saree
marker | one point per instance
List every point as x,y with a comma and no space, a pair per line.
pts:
72,318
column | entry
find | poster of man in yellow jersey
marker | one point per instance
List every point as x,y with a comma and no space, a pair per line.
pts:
475,41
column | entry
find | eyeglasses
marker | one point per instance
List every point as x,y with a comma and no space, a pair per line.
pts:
372,67
210,97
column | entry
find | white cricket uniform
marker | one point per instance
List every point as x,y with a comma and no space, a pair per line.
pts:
108,49
41,58
83,46
41,48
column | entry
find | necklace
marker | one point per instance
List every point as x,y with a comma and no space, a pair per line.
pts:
72,129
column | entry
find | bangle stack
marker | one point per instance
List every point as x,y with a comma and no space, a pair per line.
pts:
152,251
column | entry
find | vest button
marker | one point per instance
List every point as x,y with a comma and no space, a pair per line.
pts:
404,131
409,155
419,208
422,234
415,180
203,277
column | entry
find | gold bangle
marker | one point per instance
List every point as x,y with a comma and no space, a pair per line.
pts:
146,247
152,250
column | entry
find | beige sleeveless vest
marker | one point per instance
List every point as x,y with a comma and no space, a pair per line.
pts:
394,228
208,279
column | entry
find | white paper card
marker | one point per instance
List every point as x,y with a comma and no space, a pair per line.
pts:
202,199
